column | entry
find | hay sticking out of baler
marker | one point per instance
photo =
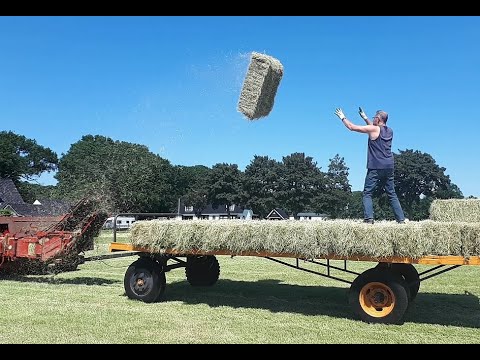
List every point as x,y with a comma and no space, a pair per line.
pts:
260,86
311,239
467,210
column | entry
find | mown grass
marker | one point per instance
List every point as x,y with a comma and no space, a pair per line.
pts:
255,301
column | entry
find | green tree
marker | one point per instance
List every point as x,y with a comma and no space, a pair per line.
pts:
354,207
198,198
126,177
419,180
225,186
261,184
301,184
24,158
189,177
192,185
5,212
338,188
31,192
451,191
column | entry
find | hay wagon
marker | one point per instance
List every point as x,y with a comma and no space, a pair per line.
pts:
380,294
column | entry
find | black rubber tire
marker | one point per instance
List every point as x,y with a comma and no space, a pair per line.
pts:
202,270
381,282
144,280
410,275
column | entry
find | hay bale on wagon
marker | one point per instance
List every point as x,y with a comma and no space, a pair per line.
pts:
260,86
462,210
311,239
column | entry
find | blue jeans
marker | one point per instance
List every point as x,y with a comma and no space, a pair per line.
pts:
382,177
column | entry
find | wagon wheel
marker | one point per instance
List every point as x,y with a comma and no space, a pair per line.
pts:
144,280
410,274
378,296
202,270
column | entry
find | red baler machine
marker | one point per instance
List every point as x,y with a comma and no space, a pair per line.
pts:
56,248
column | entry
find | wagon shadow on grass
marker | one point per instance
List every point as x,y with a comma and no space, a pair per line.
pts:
445,309
54,280
428,308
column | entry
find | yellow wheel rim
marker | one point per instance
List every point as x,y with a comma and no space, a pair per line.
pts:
377,299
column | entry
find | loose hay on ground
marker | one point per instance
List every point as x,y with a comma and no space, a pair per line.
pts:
311,239
260,86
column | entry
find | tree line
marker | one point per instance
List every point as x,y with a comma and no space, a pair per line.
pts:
128,177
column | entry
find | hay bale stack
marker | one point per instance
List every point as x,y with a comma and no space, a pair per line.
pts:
463,210
311,239
260,86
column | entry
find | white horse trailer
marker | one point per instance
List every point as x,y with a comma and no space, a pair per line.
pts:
123,222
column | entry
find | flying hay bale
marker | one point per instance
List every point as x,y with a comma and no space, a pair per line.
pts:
466,210
260,86
310,239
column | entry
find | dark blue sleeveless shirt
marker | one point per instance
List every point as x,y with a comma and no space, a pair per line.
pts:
380,150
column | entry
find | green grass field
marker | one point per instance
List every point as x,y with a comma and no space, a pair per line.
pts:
255,301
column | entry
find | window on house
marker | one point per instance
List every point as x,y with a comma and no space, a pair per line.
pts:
232,207
188,208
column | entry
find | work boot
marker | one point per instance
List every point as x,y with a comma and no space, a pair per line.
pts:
368,221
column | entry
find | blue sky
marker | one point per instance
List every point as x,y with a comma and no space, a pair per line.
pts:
172,84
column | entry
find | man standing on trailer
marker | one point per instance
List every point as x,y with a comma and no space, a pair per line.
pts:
380,162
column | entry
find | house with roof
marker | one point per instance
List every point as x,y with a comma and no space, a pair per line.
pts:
219,212
27,218
280,214
9,193
10,199
277,214
311,216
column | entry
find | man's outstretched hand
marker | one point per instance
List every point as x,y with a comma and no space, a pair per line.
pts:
339,113
362,113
